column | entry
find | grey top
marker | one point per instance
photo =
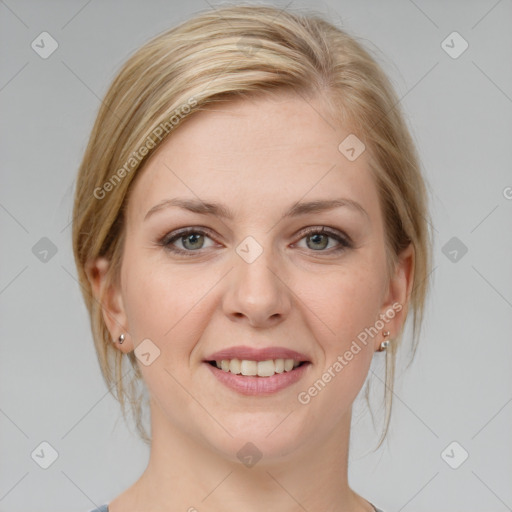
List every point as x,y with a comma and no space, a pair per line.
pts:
104,508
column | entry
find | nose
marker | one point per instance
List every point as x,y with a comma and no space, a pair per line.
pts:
257,291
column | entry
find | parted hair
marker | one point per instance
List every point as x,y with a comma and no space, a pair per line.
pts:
231,52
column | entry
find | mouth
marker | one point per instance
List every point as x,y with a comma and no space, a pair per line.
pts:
257,371
251,368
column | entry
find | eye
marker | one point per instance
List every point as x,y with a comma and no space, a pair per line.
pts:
191,239
317,239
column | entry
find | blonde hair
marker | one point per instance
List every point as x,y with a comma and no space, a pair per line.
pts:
218,55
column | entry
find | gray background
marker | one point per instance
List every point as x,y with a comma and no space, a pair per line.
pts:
460,386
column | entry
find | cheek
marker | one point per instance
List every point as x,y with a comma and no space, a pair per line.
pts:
165,304
347,302
347,305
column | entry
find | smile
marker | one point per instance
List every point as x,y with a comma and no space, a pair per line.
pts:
250,382
248,367
257,371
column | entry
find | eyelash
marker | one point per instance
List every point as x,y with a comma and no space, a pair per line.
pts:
166,241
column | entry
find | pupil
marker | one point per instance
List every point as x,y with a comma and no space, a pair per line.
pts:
317,235
191,237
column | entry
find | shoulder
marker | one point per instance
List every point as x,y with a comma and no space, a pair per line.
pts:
103,508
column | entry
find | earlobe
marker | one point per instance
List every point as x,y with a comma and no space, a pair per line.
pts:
108,295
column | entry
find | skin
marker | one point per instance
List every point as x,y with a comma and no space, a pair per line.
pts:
257,157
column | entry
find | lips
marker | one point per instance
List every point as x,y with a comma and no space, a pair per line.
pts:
253,354
250,371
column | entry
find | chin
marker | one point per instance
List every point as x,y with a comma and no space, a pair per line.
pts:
259,438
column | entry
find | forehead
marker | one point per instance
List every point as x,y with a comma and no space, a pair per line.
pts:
254,155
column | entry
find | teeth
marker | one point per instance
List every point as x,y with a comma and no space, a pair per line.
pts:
259,368
248,367
234,366
266,368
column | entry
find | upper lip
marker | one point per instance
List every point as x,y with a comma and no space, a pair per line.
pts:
256,354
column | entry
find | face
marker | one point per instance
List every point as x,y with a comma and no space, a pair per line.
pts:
261,283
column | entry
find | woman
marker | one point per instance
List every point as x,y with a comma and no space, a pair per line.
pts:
250,230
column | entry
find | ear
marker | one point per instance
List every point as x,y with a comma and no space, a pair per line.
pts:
396,300
108,295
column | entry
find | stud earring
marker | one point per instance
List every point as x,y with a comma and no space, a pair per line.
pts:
384,344
121,338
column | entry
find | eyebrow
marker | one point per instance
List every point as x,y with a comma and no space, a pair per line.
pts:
219,210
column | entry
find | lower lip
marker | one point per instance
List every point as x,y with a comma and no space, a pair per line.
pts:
259,385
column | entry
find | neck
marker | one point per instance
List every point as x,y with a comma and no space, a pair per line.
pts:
184,474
